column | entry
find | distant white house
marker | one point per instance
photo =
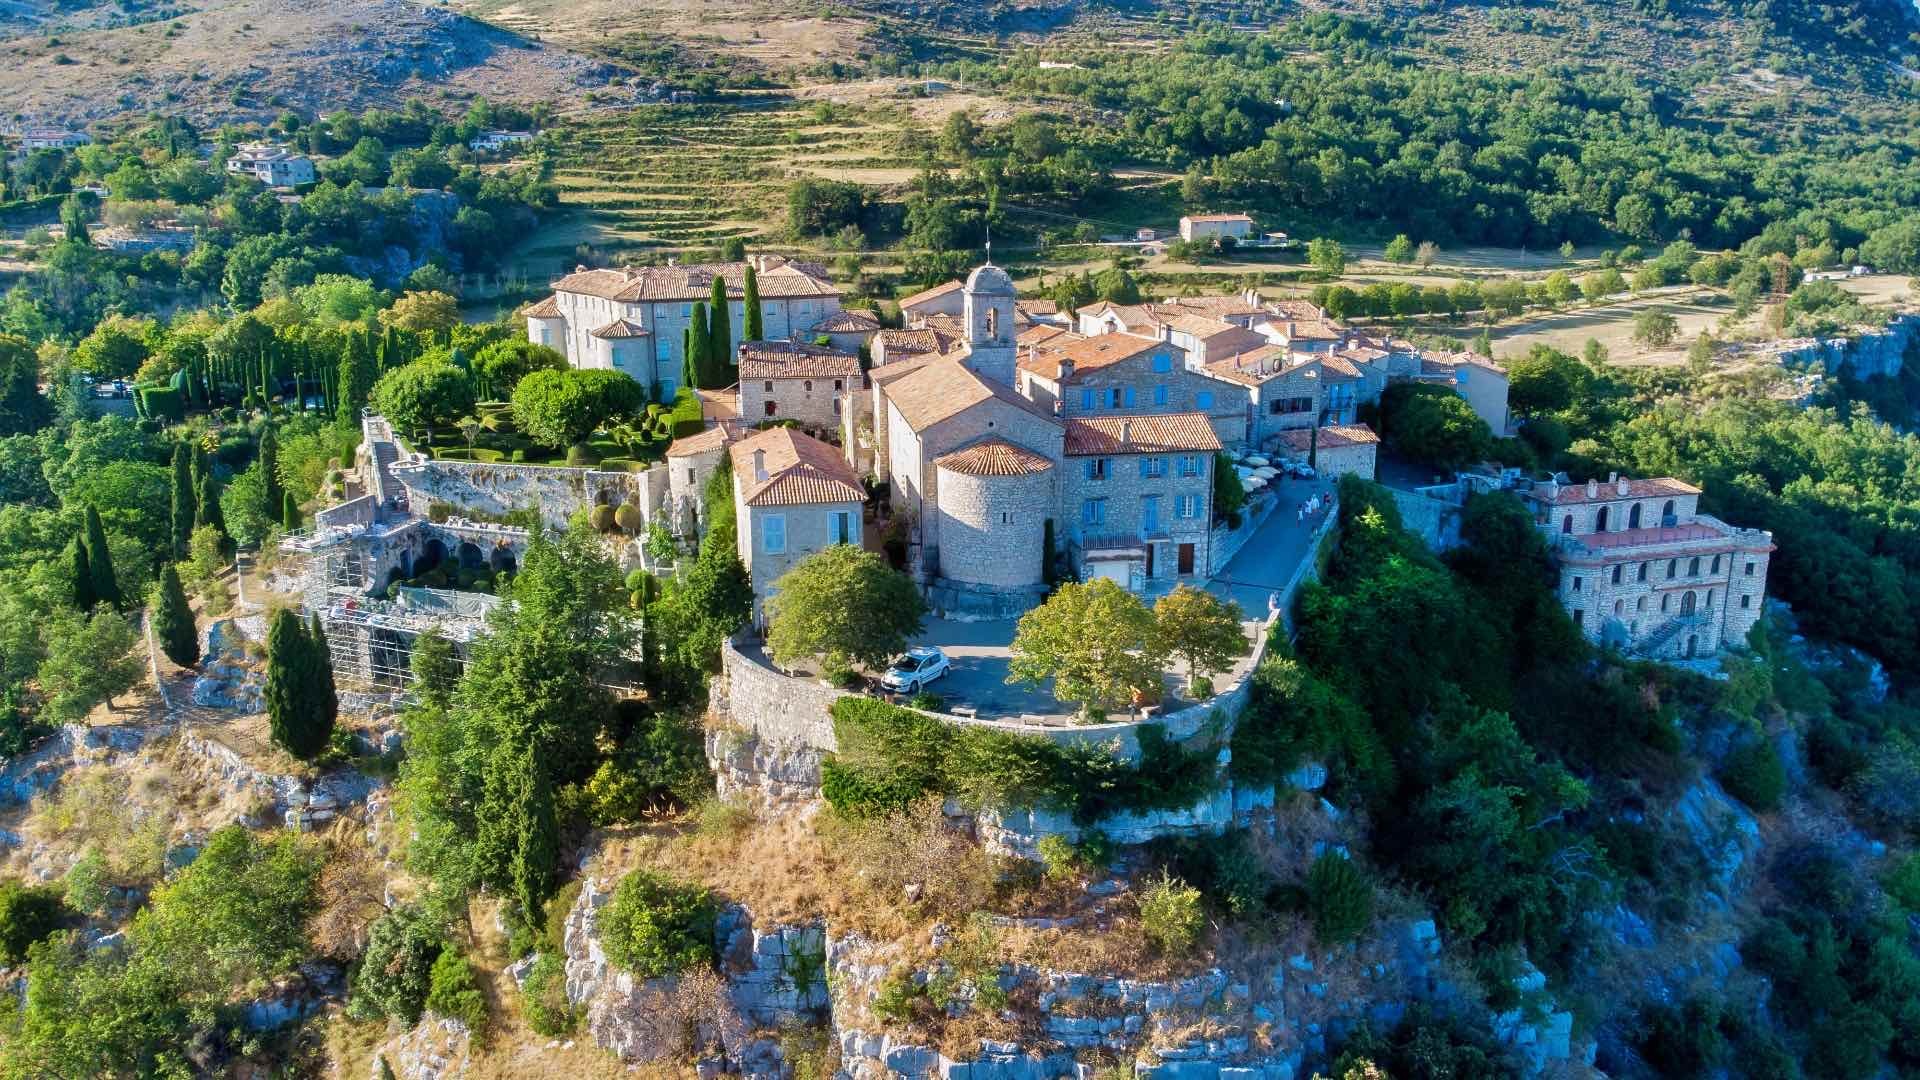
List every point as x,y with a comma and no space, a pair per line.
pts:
1211,226
275,166
52,139
488,142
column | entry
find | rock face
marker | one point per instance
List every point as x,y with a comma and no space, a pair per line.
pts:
228,680
771,976
769,775
73,746
1881,352
434,1049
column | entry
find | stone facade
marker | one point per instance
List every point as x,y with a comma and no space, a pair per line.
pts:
781,381
793,495
1641,568
1336,451
1139,512
993,525
556,492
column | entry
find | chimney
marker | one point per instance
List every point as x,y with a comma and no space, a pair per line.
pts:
579,268
1066,369
1613,477
1593,489
1293,329
1621,486
1126,431
759,465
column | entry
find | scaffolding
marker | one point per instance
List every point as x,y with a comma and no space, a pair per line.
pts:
370,638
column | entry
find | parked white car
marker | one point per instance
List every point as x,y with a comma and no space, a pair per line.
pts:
912,672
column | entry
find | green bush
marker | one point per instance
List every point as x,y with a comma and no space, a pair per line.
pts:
1339,899
86,884
686,416
1057,854
453,992
1171,914
1902,882
396,970
28,913
617,464
656,925
544,996
1753,774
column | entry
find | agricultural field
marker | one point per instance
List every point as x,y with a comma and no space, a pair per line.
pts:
686,178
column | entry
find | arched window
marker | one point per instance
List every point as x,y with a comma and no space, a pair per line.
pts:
1673,568
1693,566
1617,567
1567,525
1709,600
1600,520
1640,604
1666,512
1663,602
1643,571
1619,606
1633,517
1716,565
1686,603
1693,644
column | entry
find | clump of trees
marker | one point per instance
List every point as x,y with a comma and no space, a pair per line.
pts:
1104,649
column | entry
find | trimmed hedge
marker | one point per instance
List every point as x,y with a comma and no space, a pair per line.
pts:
891,757
482,454
159,403
686,418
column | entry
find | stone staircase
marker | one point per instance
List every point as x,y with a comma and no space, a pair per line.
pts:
1658,638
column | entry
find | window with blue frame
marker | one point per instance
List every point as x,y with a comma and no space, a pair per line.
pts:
1086,400
1149,513
1096,468
1093,512
1162,363
1203,400
1129,397
1151,467
1160,393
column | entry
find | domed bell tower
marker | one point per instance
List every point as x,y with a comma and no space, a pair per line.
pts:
988,314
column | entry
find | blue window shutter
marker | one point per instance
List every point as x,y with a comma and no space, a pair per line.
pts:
1129,397
1203,399
1160,394
1144,471
1086,400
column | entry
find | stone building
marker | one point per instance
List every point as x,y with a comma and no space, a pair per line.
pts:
1214,226
634,318
849,329
783,380
1336,450
793,495
1642,569
274,166
691,462
1140,493
1119,373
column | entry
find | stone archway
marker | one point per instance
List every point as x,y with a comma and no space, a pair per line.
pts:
470,556
502,560
432,554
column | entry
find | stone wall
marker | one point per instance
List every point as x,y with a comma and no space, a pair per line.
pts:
1226,543
353,512
556,492
1434,520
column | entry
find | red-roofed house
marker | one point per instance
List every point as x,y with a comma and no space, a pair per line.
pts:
793,495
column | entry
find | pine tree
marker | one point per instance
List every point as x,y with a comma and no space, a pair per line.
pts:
100,560
173,619
698,347
181,502
289,512
295,714
270,467
754,327
79,576
720,329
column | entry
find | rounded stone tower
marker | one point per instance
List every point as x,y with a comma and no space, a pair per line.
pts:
993,501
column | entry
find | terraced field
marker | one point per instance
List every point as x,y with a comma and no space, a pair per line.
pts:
674,178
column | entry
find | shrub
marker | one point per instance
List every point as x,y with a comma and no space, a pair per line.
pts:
1753,774
1170,914
544,996
1902,882
656,925
602,518
1339,899
452,991
396,970
628,516
86,885
1059,857
28,913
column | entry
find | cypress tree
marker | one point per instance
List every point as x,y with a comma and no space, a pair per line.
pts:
355,380
720,329
753,328
207,505
689,369
325,692
80,577
294,716
289,512
270,466
698,347
173,619
181,503
100,560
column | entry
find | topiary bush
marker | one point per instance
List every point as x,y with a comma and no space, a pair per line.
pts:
1171,914
602,518
629,518
396,970
657,925
453,992
1753,774
1339,899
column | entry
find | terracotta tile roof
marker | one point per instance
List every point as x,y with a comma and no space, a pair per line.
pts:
778,280
1200,326
1041,333
1255,367
887,373
1297,309
711,439
994,457
1130,315
1332,437
1657,487
548,308
1140,434
1443,366
1309,329
793,360
622,328
800,469
946,388
847,321
925,295
1217,306
1037,307
915,342
1218,217
719,405
1339,367
1087,353
942,324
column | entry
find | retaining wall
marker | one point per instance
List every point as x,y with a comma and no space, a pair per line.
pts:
557,492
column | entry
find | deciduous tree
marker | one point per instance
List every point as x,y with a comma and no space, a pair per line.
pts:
1095,640
1201,629
845,605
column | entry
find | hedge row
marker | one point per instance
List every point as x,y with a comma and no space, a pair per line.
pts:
891,757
